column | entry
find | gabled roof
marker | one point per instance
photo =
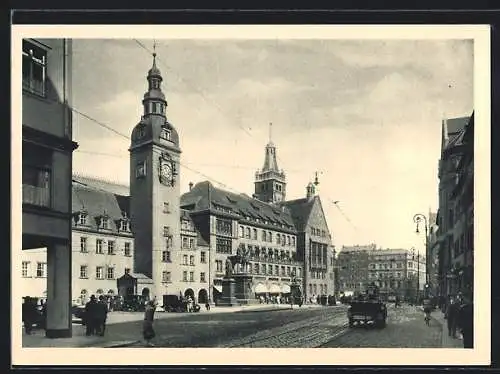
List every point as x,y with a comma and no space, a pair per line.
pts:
451,131
204,196
455,125
97,203
300,210
100,184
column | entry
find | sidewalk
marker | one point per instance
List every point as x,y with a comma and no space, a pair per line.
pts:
446,340
79,339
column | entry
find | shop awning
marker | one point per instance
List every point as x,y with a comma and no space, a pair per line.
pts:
285,288
260,288
218,288
274,289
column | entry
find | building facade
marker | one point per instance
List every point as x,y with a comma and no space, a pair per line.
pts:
47,148
353,264
451,150
230,223
394,271
172,244
461,268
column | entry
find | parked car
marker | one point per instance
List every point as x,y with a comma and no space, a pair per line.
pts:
134,303
78,312
174,303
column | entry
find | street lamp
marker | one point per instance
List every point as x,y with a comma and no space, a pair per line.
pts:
417,218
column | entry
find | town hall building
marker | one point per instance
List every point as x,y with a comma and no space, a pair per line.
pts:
165,243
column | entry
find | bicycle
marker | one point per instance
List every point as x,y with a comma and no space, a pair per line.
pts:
427,317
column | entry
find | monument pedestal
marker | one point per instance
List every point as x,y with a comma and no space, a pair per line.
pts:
228,293
243,289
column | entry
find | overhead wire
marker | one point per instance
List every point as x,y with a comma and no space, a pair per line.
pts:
199,91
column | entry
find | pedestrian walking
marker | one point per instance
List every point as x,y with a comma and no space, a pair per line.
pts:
452,316
44,314
207,306
91,316
102,314
29,313
148,331
466,321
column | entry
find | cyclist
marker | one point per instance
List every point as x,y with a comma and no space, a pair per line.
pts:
427,310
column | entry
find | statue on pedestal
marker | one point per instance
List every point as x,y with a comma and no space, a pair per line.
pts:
229,267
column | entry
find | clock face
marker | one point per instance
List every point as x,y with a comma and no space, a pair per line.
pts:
166,173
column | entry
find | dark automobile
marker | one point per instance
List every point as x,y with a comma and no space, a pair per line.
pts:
368,309
39,317
134,303
78,312
173,303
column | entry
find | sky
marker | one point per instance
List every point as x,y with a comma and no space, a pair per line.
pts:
365,114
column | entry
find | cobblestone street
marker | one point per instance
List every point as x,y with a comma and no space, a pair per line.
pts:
307,327
405,329
319,327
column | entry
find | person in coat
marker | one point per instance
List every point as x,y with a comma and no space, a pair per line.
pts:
44,314
91,316
148,331
102,314
466,322
452,316
28,314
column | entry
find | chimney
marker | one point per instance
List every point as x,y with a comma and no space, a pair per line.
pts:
190,185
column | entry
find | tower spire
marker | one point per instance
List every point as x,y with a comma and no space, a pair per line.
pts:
270,132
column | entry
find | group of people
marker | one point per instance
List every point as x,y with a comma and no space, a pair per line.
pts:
96,313
33,314
458,312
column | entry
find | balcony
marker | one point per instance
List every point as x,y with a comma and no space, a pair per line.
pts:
33,195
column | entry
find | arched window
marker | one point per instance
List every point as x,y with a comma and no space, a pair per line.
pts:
99,291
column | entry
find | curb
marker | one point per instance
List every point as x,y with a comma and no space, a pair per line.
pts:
122,344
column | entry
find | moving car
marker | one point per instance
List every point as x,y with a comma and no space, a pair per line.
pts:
368,309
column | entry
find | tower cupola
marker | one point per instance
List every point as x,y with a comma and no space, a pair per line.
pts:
270,181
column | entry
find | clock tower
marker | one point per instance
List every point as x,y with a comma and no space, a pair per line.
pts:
154,190
270,182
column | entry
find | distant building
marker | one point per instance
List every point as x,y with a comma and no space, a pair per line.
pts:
395,271
452,149
352,264
47,149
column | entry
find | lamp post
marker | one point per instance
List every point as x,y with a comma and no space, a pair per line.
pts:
417,218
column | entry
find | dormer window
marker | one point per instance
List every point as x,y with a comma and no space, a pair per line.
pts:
104,223
124,224
141,132
82,218
165,133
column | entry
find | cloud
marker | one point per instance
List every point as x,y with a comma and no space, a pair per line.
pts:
365,114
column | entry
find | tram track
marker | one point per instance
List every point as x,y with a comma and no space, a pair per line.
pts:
309,333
